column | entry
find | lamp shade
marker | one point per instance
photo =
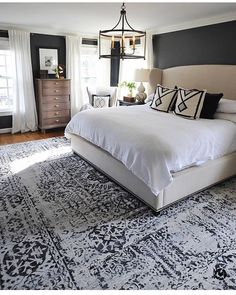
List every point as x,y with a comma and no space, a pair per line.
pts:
141,75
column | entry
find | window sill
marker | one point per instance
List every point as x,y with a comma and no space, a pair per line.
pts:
5,113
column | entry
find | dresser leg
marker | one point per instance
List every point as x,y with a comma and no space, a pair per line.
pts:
43,131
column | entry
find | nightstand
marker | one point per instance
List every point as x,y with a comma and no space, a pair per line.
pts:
126,103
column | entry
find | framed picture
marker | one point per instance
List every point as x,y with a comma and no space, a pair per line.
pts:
48,59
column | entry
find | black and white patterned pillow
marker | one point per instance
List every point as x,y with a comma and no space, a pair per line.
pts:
100,101
163,99
189,103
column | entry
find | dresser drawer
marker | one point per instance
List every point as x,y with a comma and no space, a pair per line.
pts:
56,91
56,114
55,106
55,98
56,84
55,121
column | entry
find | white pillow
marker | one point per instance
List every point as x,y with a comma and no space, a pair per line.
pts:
226,106
226,116
101,101
85,107
149,98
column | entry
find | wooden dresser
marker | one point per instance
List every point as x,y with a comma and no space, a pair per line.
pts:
53,97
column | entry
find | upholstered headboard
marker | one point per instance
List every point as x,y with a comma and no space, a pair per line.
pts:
213,78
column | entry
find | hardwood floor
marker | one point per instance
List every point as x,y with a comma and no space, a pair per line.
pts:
29,136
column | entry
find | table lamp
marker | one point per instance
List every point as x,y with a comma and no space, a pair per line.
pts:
141,75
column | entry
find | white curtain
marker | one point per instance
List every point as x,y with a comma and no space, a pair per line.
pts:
149,57
24,107
104,65
73,72
149,50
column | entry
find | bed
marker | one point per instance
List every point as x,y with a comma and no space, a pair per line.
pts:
180,178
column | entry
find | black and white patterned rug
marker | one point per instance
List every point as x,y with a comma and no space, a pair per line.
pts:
64,225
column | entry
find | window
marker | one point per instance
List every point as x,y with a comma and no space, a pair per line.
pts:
89,62
94,71
128,66
127,70
6,83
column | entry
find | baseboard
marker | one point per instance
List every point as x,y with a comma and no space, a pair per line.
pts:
5,130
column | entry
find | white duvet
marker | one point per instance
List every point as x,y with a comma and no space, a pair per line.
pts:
154,144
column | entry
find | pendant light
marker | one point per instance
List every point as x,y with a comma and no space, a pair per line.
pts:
124,41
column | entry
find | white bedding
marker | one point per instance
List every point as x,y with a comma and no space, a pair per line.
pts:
153,144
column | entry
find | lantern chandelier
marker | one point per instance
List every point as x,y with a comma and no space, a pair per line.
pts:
124,41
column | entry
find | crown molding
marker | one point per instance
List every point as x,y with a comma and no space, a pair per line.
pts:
194,24
157,30
46,31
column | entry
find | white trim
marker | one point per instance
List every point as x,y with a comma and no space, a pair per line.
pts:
88,46
5,130
4,113
4,43
195,23
40,30
115,1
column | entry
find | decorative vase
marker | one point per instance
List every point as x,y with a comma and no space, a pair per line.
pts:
130,94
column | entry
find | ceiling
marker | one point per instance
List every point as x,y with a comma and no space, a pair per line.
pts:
90,17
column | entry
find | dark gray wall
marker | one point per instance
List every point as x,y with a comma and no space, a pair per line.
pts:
39,41
213,44
115,66
46,41
5,122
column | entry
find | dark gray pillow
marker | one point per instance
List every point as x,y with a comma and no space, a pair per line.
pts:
210,105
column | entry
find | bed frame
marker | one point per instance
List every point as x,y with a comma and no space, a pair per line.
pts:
214,78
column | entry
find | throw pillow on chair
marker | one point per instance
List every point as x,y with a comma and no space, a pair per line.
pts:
100,101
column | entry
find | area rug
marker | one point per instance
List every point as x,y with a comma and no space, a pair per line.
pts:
64,225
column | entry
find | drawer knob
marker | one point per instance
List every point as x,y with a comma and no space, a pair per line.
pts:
56,90
56,113
57,121
56,83
56,98
56,105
